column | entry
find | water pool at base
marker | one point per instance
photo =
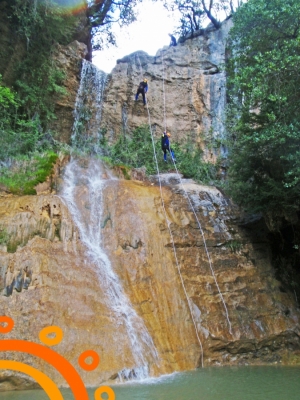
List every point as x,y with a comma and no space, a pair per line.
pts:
223,383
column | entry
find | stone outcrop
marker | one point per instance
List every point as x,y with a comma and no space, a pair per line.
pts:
189,79
47,278
68,59
264,320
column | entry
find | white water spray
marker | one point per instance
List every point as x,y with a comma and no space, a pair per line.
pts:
88,107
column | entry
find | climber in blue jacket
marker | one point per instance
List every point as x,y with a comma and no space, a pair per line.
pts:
142,89
165,145
173,40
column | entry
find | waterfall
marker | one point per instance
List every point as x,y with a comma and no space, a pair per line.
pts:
86,133
83,194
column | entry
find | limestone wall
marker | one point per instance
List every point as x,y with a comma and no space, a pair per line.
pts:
47,278
186,81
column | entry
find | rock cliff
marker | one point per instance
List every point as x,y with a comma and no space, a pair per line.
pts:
188,79
69,59
49,278
212,274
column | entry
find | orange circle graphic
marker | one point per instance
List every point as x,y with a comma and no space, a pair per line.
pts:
43,335
95,360
43,380
104,389
56,360
10,324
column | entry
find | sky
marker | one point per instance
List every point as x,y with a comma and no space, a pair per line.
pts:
149,33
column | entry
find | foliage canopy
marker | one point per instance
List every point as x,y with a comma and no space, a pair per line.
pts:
27,106
196,13
102,14
263,116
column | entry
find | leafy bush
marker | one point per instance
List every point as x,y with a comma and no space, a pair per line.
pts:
27,107
4,237
234,245
39,27
26,172
7,97
263,119
8,104
136,151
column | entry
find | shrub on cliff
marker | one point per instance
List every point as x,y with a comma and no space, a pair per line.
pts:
39,26
136,150
24,173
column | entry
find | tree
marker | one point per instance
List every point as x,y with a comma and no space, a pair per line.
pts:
191,16
40,26
103,13
264,103
195,13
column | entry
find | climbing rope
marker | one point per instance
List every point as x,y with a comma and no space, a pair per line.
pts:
206,250
199,225
188,197
164,92
171,234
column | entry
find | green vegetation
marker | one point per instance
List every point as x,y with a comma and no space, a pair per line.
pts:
27,106
195,13
234,245
4,237
24,153
263,117
102,14
136,151
26,172
40,26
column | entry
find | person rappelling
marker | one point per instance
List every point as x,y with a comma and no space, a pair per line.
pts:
142,89
173,40
165,145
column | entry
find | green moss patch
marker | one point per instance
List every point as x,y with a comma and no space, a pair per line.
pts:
25,173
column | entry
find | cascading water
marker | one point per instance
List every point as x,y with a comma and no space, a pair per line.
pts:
88,108
86,207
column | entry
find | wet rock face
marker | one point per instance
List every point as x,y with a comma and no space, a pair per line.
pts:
47,278
262,323
187,78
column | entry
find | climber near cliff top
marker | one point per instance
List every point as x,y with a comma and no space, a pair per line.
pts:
165,145
173,40
142,89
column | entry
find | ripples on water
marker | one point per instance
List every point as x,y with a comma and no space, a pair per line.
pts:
224,383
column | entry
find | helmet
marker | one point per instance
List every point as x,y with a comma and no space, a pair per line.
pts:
168,134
